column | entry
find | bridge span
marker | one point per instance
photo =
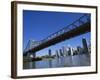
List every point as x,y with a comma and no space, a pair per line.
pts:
78,27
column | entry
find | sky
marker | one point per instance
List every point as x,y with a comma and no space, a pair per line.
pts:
37,25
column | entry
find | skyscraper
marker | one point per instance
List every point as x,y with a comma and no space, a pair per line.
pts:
69,51
64,50
49,51
61,52
57,54
85,47
79,50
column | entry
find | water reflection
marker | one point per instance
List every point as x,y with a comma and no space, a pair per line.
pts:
63,61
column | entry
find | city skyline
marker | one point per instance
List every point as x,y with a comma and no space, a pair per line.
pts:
59,46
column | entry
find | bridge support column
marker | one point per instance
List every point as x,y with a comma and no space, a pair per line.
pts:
31,55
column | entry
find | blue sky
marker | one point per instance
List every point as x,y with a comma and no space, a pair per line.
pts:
37,25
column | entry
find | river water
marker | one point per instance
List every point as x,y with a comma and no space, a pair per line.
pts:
67,61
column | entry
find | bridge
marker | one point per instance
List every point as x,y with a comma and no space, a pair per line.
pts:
78,27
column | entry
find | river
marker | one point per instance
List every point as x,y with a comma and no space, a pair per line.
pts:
63,61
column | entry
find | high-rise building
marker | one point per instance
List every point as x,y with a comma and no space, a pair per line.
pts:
74,51
85,47
57,54
69,51
61,52
49,51
64,50
79,50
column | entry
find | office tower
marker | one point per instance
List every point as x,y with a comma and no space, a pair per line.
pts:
57,54
61,52
49,51
69,51
64,50
76,51
85,47
79,50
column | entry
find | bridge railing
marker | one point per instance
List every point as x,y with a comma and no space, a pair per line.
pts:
82,20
